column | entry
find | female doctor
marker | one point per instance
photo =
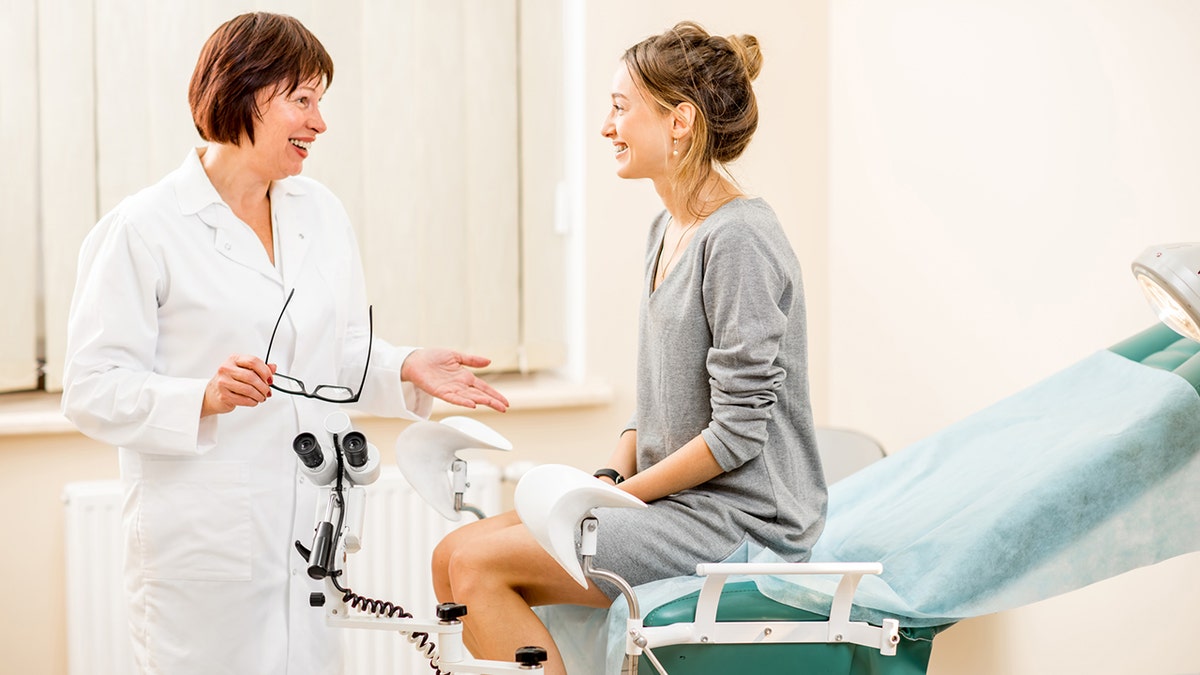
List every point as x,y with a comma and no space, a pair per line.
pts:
178,294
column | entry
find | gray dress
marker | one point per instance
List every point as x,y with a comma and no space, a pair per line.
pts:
722,353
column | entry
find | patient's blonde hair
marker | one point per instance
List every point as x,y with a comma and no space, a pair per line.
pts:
714,74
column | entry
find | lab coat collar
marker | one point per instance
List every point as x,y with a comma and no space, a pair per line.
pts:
196,192
293,226
193,188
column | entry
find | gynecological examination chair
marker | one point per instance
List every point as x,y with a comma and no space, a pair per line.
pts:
1086,475
1081,477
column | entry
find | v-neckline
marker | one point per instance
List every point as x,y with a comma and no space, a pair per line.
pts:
682,254
676,254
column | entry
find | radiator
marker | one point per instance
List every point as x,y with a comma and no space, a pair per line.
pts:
97,628
399,534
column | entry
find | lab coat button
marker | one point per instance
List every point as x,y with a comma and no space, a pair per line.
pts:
228,246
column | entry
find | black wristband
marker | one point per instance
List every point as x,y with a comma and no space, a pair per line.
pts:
609,473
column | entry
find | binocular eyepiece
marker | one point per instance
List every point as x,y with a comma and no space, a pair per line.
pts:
308,450
347,453
354,444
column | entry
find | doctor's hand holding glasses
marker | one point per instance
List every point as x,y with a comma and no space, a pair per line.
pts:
441,373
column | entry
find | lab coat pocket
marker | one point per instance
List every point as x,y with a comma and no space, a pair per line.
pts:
194,521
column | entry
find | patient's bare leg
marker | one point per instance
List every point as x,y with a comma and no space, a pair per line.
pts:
499,571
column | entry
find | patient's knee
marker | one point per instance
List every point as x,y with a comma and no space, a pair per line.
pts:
440,567
442,553
468,571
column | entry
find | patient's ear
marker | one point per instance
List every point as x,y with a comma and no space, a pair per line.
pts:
683,117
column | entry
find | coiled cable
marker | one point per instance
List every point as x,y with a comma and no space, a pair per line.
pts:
380,608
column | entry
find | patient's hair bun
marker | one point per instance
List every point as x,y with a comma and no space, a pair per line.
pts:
746,46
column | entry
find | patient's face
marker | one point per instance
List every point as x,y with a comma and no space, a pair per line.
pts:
640,130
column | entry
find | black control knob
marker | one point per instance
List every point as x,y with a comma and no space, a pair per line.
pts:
316,599
451,611
530,656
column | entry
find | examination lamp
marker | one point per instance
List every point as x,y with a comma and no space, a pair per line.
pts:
1169,275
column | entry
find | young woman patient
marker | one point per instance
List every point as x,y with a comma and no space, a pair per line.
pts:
721,443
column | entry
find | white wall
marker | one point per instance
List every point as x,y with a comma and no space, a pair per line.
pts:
995,165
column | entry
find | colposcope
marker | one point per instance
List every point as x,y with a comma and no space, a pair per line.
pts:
341,464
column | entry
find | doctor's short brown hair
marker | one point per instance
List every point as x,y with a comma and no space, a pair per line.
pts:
245,55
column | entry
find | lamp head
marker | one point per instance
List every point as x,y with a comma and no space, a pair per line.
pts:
1169,275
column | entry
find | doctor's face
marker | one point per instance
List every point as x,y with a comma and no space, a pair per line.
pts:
289,124
639,128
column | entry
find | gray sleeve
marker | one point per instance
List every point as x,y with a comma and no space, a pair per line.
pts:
743,286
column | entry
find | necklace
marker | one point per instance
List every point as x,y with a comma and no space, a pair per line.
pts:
664,267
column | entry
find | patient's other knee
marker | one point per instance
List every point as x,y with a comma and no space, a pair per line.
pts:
440,566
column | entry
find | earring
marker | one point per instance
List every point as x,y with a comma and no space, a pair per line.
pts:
675,146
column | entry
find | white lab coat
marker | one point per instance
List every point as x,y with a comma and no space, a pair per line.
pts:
170,284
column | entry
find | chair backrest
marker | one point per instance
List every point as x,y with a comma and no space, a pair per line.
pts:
844,451
1160,347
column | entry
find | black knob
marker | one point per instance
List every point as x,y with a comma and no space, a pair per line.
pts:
530,656
451,611
316,599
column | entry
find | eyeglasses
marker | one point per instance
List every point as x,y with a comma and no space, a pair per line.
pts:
332,393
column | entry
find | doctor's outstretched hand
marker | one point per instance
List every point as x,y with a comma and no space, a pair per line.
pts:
241,380
443,373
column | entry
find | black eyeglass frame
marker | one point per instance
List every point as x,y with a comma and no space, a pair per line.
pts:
316,393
